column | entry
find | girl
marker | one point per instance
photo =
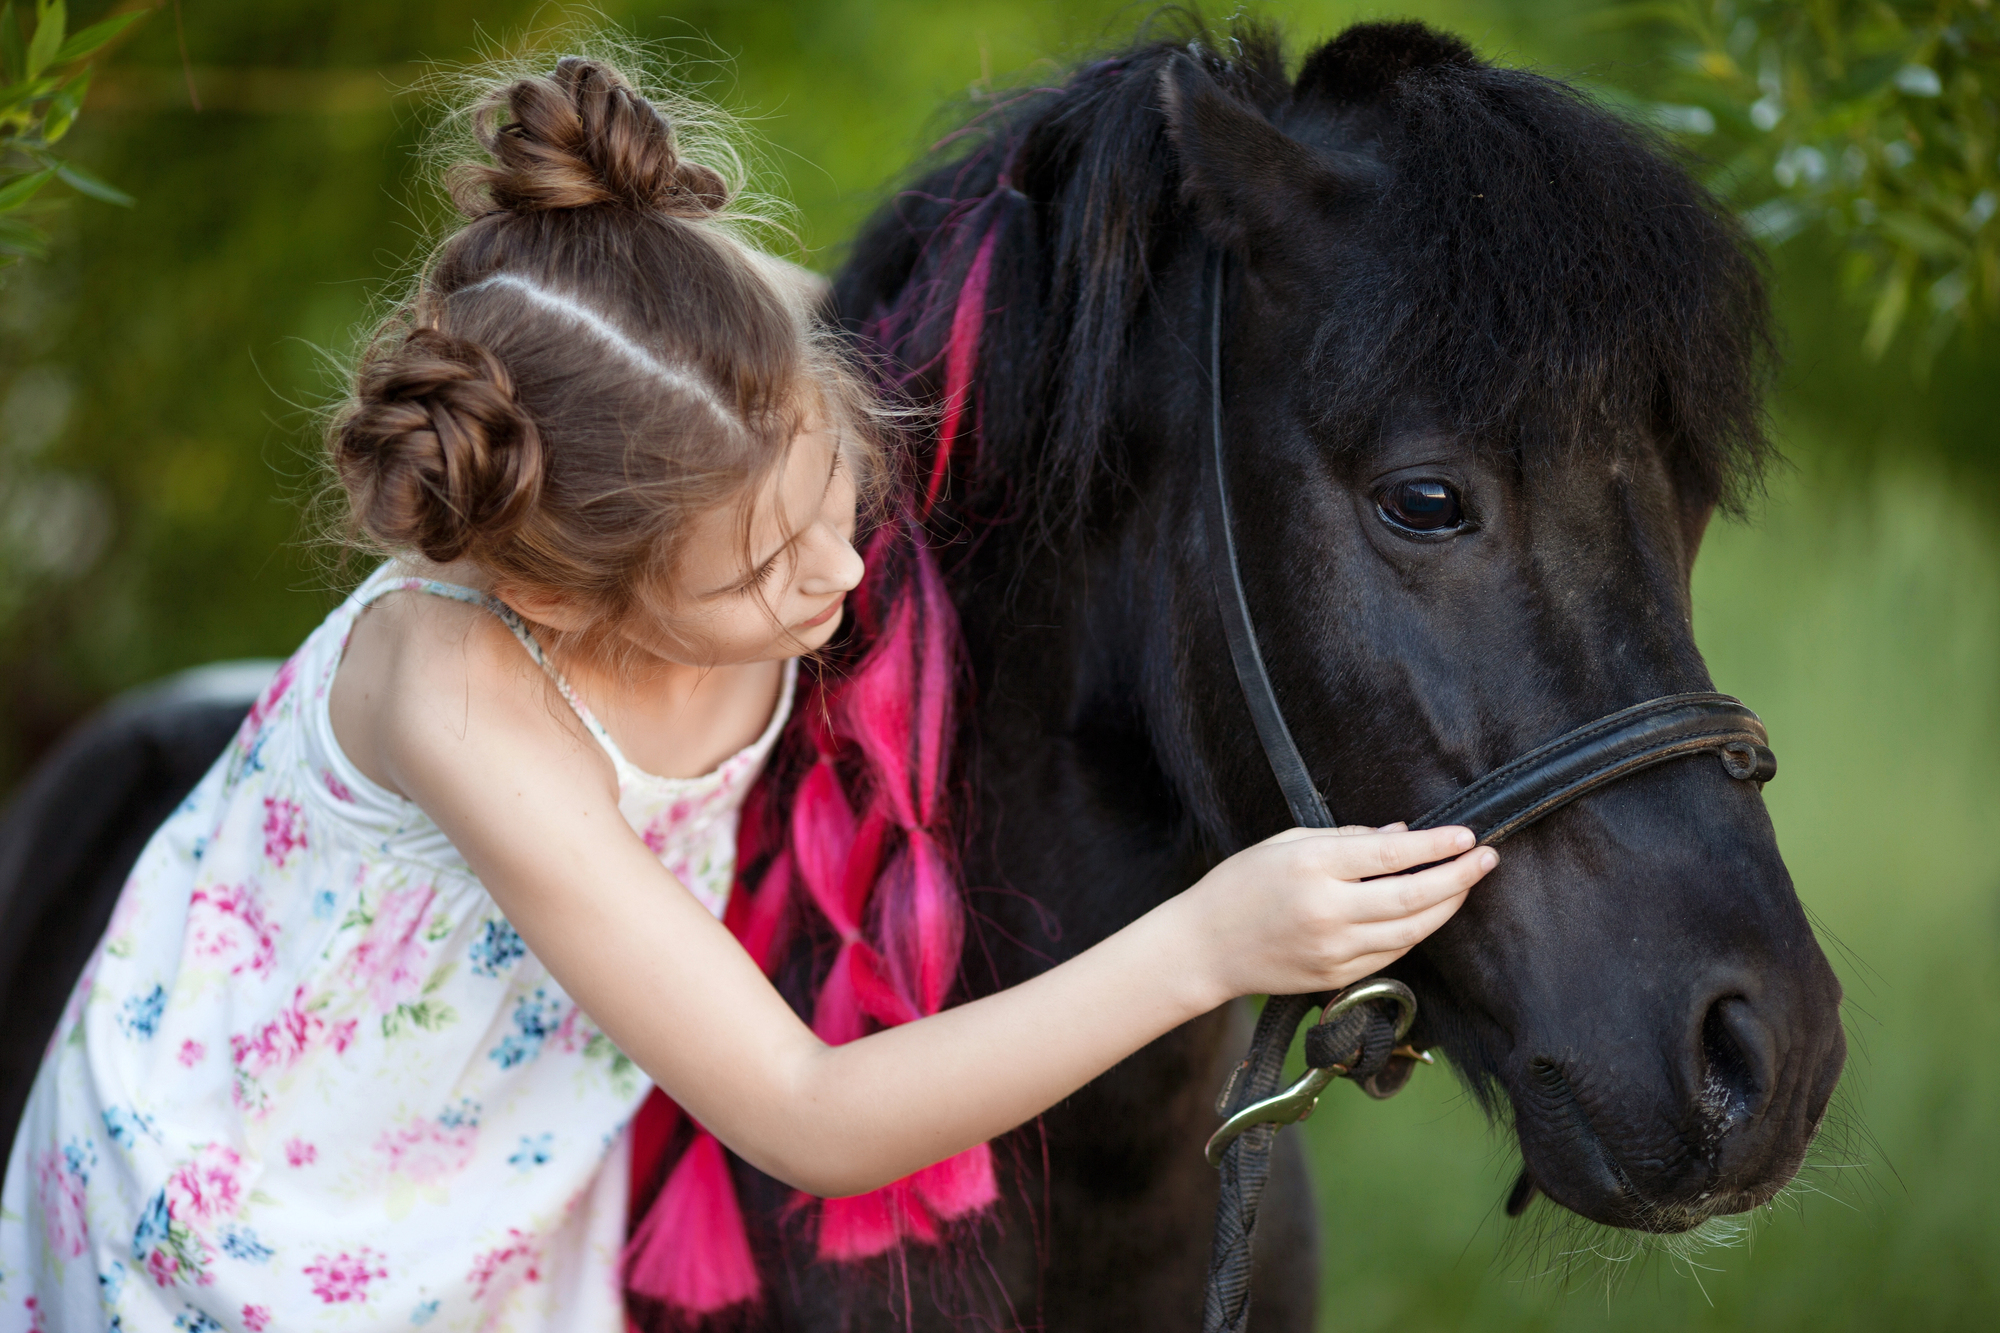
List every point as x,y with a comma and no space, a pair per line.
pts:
364,1038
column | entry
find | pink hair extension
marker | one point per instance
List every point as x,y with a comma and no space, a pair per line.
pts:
857,831
698,1200
962,353
873,859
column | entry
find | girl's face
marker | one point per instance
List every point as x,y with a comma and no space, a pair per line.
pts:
788,597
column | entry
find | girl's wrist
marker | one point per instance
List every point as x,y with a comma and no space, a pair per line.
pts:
1187,955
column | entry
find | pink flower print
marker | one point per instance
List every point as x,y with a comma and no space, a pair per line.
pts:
206,1188
226,921
506,1266
300,1153
337,787
280,1044
389,961
426,1151
264,706
34,1309
344,1277
59,1191
191,1052
284,830
162,1267
256,1318
666,824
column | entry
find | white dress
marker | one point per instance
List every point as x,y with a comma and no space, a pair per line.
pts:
313,1079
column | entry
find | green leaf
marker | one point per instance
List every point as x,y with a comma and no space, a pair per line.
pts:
18,192
96,35
13,55
1888,312
1921,234
50,20
18,96
64,106
18,238
84,183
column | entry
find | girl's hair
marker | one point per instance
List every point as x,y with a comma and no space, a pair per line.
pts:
591,359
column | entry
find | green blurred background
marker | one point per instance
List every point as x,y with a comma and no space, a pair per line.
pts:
159,374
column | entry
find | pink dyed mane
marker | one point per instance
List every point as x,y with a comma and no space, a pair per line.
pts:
855,830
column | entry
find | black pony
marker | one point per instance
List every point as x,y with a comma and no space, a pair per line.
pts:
1492,361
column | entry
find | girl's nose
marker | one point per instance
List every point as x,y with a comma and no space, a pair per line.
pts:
833,565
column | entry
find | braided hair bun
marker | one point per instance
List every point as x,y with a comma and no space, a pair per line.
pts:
436,453
579,137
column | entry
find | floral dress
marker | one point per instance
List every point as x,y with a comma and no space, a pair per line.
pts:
313,1079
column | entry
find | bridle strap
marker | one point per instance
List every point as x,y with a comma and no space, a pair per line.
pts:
1309,809
1609,750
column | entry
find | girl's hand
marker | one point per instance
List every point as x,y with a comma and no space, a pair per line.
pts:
1317,909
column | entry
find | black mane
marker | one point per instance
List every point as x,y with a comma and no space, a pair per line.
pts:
1539,272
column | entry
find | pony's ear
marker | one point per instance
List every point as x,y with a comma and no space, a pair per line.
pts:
1255,188
1364,63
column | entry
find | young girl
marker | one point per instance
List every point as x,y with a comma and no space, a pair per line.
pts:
358,1049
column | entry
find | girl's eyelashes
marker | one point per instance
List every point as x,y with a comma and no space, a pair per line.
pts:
761,575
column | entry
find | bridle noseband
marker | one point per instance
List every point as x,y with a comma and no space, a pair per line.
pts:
1357,1036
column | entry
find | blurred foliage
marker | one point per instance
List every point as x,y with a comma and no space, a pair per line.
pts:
44,77
1876,122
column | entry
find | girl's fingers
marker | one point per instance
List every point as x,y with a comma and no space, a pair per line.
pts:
1396,896
1366,855
1345,831
1297,834
1368,964
1403,933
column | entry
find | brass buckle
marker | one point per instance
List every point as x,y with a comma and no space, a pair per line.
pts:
1302,1098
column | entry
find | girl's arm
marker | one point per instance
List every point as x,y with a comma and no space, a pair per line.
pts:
533,809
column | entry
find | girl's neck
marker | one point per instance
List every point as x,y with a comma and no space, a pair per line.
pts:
672,719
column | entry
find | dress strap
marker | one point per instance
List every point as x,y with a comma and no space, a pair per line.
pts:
385,581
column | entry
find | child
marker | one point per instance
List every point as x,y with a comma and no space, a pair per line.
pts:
358,1047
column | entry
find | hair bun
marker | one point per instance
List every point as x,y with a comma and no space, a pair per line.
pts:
436,451
583,136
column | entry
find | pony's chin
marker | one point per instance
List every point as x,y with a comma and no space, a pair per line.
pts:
1630,1211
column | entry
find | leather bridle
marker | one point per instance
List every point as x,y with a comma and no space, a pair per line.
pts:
1360,1027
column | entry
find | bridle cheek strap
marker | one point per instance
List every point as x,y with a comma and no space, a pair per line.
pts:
1309,808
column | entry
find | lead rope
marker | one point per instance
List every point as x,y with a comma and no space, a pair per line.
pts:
1357,1037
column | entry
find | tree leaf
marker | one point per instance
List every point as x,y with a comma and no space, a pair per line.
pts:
96,35
13,55
50,20
17,192
18,238
84,183
1888,312
1920,234
64,106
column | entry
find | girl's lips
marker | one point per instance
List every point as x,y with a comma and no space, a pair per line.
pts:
825,615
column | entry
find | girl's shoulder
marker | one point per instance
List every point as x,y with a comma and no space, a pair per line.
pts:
419,669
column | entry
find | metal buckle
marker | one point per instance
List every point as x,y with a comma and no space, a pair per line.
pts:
1299,1101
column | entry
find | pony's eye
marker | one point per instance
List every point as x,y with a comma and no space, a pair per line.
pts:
1421,506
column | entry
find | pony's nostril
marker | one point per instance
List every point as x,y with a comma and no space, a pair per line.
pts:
1735,1062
